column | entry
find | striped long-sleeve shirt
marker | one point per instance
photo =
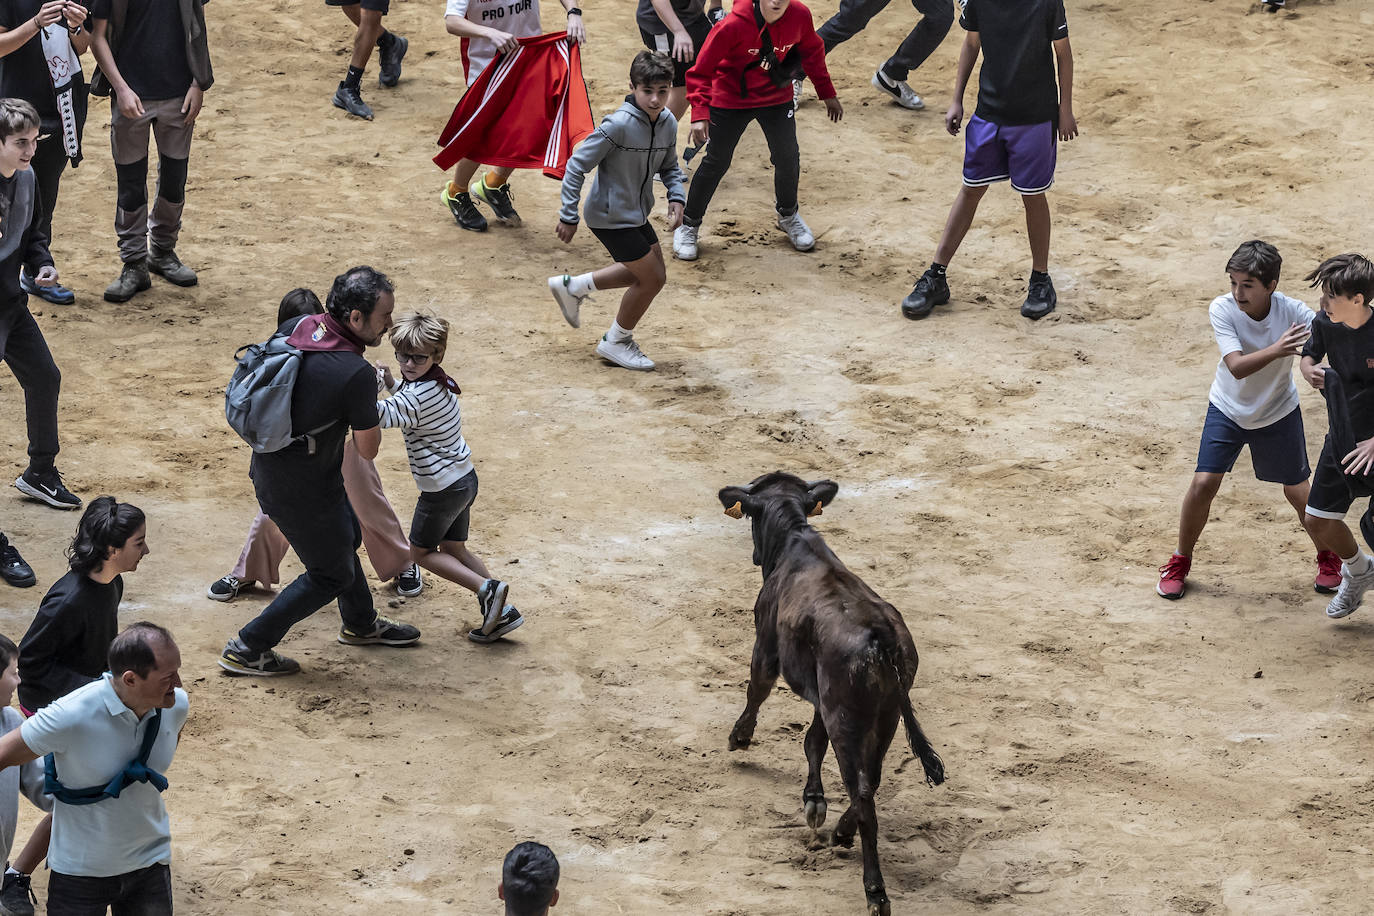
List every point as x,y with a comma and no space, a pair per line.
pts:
428,415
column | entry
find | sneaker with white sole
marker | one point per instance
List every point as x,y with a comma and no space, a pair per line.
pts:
901,93
625,354
797,92
47,486
1350,593
569,303
685,242
510,620
798,233
239,659
384,632
410,583
491,598
225,588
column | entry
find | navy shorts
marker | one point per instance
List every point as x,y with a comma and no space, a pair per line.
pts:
444,515
379,6
1277,451
1025,153
626,245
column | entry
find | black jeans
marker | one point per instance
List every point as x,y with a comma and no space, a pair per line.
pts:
326,539
936,18
49,161
22,346
146,892
727,126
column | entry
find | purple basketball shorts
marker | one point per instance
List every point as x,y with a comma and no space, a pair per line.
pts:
1025,153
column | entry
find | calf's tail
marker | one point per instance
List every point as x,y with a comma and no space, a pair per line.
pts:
920,745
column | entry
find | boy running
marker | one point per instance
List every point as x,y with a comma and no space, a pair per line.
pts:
1253,402
366,16
1343,335
1011,134
634,143
489,28
424,406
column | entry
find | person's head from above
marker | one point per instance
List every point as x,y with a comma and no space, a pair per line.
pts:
9,670
145,666
1347,285
529,880
297,304
771,10
1254,271
420,342
651,81
110,539
362,300
19,125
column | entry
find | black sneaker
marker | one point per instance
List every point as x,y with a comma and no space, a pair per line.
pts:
464,210
392,53
225,588
928,292
1272,6
385,632
238,659
510,620
47,487
1040,300
351,101
499,199
16,897
410,583
491,598
13,569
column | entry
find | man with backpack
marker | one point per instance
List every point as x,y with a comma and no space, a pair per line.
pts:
300,486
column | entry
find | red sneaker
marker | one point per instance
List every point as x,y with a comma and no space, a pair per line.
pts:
1328,572
1172,576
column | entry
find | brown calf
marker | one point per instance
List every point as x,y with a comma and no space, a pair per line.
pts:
838,645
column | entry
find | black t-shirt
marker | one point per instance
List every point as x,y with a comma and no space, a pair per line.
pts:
151,52
690,12
69,640
25,71
1016,83
1351,354
338,388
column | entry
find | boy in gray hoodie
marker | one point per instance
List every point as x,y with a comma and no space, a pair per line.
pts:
633,143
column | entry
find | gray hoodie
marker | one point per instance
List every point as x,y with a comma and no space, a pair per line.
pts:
627,150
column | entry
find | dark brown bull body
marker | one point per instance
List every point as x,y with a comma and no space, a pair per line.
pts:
840,646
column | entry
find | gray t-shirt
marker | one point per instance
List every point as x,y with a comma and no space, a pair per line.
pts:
690,12
26,778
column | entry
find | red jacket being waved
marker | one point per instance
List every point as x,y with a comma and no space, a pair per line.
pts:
732,50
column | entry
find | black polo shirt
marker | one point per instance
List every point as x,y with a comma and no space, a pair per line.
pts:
151,52
1016,84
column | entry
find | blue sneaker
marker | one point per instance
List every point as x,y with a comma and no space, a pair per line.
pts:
56,294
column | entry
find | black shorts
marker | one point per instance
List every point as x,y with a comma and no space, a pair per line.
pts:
626,245
1329,496
698,30
444,515
380,6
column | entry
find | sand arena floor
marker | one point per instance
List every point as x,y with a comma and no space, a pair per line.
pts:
1010,487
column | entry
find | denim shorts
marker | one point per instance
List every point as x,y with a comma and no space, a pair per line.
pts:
1025,153
1277,451
444,515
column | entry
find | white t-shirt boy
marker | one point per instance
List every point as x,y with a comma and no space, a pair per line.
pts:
518,17
1268,395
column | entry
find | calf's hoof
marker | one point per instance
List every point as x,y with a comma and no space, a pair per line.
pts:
738,741
877,902
842,839
815,812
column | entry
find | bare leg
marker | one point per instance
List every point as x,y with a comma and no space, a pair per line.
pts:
1197,503
443,563
813,799
369,30
677,102
1297,494
958,222
36,849
1038,228
463,173
642,280
1334,534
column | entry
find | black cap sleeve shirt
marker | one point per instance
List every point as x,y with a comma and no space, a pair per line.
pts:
1350,354
1016,84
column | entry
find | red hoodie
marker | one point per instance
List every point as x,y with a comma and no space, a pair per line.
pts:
714,80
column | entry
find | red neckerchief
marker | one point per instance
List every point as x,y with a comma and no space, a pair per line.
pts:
436,374
324,332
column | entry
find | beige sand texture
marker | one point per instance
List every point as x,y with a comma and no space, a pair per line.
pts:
1009,486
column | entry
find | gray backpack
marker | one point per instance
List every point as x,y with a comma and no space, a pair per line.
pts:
257,402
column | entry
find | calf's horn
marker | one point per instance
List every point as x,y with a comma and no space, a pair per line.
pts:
735,511
815,510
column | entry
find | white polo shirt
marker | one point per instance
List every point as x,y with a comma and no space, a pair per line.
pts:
93,736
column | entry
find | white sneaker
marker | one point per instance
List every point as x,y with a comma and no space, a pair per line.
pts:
685,242
798,233
899,90
797,92
625,354
1349,595
569,304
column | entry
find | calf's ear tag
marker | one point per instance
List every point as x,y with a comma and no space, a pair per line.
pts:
735,511
815,510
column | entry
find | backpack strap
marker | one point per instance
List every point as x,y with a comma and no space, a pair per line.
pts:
134,771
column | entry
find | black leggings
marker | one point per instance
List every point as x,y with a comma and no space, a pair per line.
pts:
49,161
727,126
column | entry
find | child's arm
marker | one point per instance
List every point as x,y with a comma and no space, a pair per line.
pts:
1242,365
463,27
1063,56
683,48
813,63
577,30
587,156
675,183
1313,352
968,56
400,411
703,74
1315,374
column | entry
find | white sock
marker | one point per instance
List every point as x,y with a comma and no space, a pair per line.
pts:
581,285
1359,564
617,334
12,871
